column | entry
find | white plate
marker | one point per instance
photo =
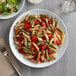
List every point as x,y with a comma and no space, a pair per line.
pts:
27,62
20,6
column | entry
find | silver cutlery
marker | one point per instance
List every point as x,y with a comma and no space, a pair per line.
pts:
5,53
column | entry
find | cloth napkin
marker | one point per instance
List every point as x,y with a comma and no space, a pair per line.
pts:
6,68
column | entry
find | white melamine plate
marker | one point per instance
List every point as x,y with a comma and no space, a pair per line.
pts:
20,6
20,56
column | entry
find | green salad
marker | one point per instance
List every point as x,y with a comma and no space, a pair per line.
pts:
8,6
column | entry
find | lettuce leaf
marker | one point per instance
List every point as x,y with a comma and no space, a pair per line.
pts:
15,2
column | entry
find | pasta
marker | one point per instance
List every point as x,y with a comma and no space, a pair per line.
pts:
38,37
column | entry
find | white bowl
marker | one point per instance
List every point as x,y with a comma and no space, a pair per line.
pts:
20,57
20,6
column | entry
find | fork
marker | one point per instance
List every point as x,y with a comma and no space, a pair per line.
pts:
5,53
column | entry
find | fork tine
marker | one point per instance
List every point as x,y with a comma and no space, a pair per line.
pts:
3,49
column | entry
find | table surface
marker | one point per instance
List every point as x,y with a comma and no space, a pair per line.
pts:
66,66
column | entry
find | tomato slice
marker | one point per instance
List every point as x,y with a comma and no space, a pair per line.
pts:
21,37
27,22
50,51
54,28
43,23
1,12
21,51
43,46
27,27
43,38
49,22
34,38
42,18
36,22
49,37
56,42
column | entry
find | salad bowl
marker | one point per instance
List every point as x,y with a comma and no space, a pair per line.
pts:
5,9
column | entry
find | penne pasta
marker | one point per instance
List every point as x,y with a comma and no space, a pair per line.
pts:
36,47
53,21
33,60
46,36
57,24
25,41
53,56
27,17
38,57
25,35
58,36
42,58
28,56
38,37
51,41
47,55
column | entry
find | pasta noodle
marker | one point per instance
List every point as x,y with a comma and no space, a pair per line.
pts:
38,37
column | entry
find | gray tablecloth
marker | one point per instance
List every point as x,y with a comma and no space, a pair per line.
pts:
66,66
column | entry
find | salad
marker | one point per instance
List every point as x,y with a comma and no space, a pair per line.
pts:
38,37
8,6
